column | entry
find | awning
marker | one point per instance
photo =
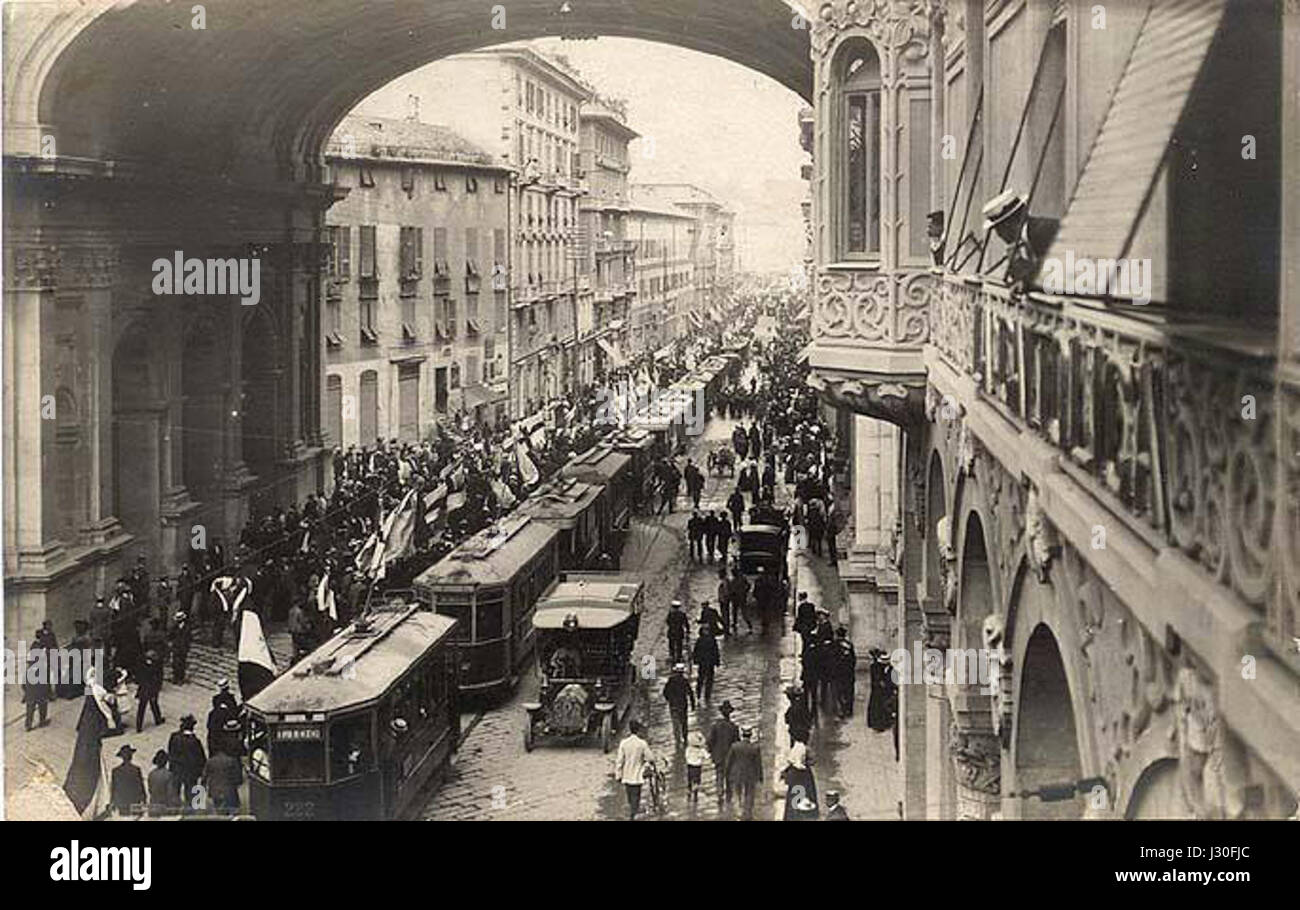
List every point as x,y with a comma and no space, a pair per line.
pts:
1130,147
478,395
696,319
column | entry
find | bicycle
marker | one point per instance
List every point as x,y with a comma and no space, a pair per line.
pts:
656,787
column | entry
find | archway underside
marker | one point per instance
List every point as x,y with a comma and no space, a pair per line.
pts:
142,83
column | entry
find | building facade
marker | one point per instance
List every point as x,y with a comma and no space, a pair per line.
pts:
1087,481
524,108
415,305
664,236
609,261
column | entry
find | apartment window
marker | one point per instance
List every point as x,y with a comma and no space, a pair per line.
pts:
473,372
441,274
519,91
411,255
498,184
408,180
451,317
860,153
334,322
530,98
368,269
489,358
471,261
366,310
471,184
340,239
439,181
455,376
366,177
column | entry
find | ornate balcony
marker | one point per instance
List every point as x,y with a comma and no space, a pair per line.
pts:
869,329
1173,423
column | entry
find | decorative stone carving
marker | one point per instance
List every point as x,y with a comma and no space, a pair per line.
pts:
947,564
1041,544
966,447
1000,677
977,758
898,27
1211,766
871,306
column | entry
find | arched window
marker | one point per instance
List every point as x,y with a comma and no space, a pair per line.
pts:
858,75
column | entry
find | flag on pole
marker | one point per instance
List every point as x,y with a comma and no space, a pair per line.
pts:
256,665
325,597
400,529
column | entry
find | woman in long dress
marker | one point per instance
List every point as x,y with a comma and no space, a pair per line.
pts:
87,776
801,788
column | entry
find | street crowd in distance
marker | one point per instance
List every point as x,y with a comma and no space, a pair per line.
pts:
784,437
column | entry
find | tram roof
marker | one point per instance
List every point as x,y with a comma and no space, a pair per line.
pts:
355,667
599,464
562,500
596,604
492,556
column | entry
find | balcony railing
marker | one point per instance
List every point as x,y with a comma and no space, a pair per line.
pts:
1172,422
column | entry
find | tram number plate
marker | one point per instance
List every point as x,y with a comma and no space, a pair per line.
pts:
299,808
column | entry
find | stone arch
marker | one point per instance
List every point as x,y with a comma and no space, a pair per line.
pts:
936,509
1046,750
259,106
975,747
1157,793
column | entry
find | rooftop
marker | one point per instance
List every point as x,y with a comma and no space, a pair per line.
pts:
372,138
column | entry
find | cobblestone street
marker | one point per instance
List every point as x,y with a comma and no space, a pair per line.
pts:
494,778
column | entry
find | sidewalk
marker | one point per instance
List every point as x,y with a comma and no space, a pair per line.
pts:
848,756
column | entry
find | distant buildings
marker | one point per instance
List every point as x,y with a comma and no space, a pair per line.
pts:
415,300
593,274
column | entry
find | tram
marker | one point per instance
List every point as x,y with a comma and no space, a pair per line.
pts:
604,464
640,447
356,730
491,584
580,512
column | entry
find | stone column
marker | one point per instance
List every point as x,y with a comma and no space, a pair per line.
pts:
912,704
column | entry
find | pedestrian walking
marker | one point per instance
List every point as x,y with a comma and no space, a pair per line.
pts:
182,637
740,597
695,534
724,602
835,811
163,793
736,506
706,658
224,709
149,681
126,789
724,535
722,736
678,694
36,684
678,628
745,771
695,756
844,668
630,762
801,788
694,481
798,719
710,536
222,777
186,758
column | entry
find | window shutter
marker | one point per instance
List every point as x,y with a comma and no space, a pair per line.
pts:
344,251
418,246
367,251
